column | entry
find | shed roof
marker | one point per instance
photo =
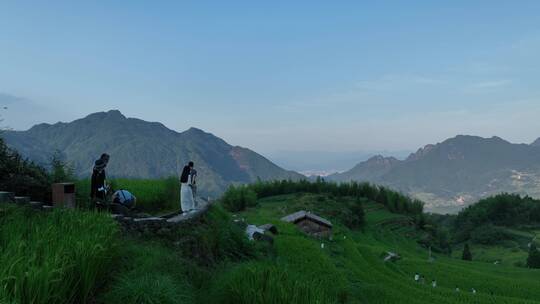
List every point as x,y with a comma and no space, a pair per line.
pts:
301,215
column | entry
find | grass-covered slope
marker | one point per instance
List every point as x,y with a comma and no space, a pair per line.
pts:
78,257
351,269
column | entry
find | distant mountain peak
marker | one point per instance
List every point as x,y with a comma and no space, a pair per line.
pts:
196,130
380,159
111,114
536,143
421,152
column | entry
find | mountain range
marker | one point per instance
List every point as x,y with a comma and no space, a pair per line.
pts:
141,149
447,175
456,172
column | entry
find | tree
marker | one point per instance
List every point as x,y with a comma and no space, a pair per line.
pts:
467,255
357,218
533,261
21,176
60,170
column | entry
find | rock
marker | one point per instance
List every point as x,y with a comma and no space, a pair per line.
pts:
186,216
47,207
392,257
7,197
269,227
251,230
21,200
149,220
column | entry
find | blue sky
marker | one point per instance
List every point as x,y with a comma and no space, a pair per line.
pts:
280,75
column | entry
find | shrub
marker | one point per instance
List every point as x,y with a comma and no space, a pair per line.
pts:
239,198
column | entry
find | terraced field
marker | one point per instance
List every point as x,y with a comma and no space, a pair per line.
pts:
354,258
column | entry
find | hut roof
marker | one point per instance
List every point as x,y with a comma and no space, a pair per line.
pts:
301,215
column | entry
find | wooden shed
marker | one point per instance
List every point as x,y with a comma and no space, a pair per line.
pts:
310,223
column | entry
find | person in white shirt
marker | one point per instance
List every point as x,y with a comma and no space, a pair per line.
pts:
187,180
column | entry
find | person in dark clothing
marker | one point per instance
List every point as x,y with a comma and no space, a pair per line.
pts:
97,187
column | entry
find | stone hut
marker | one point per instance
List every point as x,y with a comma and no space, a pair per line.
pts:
310,223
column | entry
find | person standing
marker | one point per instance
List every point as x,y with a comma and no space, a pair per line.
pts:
187,180
98,189
193,176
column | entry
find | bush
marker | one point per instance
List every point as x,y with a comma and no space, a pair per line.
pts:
239,198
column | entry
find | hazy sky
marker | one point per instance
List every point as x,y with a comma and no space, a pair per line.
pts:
278,75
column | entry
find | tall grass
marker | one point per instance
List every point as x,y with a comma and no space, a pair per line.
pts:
215,239
265,282
152,195
57,257
150,273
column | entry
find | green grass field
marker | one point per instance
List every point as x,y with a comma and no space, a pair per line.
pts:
366,278
153,196
78,257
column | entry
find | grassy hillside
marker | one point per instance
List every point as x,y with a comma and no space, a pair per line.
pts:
211,261
356,257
